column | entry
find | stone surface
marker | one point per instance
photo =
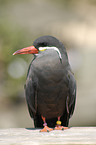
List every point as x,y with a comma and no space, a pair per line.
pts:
23,136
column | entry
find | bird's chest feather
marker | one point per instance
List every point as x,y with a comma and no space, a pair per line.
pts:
52,88
51,101
52,93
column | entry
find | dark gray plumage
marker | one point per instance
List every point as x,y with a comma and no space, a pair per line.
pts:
50,86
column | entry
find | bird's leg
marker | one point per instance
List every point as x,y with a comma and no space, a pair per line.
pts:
58,125
46,128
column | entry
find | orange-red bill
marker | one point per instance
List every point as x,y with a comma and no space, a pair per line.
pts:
27,50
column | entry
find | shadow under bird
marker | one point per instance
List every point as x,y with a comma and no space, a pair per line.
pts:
50,86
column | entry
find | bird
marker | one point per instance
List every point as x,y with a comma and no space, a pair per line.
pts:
50,87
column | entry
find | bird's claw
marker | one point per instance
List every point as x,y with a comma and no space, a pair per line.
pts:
58,127
46,129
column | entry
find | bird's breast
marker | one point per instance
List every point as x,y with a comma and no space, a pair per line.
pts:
51,83
52,93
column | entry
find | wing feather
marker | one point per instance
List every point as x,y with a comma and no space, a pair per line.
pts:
72,93
31,94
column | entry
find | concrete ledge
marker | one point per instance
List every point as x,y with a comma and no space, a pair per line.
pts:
22,136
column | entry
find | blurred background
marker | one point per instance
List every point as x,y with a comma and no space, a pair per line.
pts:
72,22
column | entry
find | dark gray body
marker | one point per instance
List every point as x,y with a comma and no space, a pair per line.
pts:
50,88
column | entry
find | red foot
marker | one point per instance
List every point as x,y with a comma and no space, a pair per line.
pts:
60,128
46,129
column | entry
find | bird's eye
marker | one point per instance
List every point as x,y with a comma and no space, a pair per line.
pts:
43,44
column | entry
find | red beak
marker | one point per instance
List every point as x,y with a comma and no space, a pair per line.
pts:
27,50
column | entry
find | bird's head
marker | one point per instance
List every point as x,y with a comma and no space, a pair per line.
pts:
41,44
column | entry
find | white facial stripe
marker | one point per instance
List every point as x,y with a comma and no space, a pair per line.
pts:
52,48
